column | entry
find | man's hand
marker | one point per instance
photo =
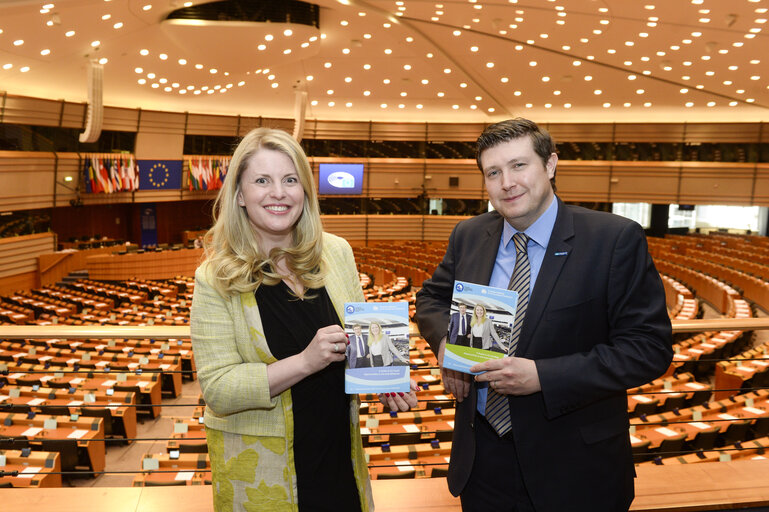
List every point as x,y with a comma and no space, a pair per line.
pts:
509,375
456,383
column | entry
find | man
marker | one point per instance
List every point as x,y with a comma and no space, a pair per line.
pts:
459,326
546,428
358,349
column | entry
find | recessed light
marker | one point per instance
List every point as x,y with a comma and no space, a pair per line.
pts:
142,81
151,76
118,25
144,52
26,68
147,7
367,93
45,52
198,66
106,17
163,56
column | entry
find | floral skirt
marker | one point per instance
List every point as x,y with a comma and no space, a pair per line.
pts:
250,473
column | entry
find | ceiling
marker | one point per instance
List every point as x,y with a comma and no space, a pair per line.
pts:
409,60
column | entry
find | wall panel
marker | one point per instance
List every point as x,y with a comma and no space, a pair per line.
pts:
445,132
121,119
761,186
582,180
202,124
714,183
18,255
23,281
641,182
337,130
37,111
27,180
440,171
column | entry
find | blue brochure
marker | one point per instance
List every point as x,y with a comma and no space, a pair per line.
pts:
378,352
480,325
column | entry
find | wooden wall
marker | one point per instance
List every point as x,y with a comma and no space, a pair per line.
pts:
18,260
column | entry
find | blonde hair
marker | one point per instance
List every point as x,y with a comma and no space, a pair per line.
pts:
236,262
371,336
474,318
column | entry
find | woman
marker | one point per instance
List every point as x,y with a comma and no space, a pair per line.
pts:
381,349
268,342
482,331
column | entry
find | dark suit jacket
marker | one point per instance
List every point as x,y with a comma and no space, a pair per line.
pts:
352,350
596,325
454,326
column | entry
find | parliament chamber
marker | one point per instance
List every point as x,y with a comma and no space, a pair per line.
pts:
117,124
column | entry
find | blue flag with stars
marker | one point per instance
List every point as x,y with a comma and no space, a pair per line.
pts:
160,174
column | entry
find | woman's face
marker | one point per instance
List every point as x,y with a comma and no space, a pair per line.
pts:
375,329
273,197
479,311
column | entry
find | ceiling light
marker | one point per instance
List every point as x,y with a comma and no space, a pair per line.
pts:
367,93
407,67
489,65
26,68
106,16
648,104
163,56
639,91
567,105
198,66
588,78
288,32
403,94
441,94
118,25
532,63
597,92
457,32
386,81
545,78
261,47
142,81
463,85
326,65
346,51
144,52
367,66
626,105
556,93
151,76
388,51
139,70
447,70
348,79
45,52
147,7
517,93
504,79
473,48
425,81
274,85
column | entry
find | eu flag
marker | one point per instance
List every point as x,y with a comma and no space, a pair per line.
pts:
160,174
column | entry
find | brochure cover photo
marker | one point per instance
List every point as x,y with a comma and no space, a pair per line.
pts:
480,325
378,353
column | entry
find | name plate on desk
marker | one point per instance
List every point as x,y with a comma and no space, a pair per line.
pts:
143,360
89,397
121,377
32,351
749,402
110,343
86,356
372,422
51,424
2,460
697,415
181,428
150,464
165,346
14,393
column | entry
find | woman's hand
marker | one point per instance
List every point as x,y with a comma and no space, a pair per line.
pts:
400,401
329,345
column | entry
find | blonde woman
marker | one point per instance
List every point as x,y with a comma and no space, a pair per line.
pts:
268,341
483,332
382,352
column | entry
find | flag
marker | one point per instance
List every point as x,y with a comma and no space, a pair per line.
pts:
160,174
86,176
194,181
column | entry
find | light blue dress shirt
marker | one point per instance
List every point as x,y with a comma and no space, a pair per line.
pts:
539,236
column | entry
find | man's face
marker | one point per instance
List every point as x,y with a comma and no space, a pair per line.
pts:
356,330
516,181
462,309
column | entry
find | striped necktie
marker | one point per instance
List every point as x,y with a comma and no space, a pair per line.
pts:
497,406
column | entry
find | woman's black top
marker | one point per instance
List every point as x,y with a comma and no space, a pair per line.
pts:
321,409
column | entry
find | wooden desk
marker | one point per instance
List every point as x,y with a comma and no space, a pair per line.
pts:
34,470
87,440
121,404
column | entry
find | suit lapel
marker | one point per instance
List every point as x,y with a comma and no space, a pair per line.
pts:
483,254
558,251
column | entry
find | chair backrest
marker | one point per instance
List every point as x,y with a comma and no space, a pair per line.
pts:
201,447
67,449
163,483
439,471
397,476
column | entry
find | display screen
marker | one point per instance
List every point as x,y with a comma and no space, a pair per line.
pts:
344,179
